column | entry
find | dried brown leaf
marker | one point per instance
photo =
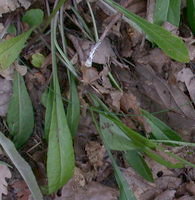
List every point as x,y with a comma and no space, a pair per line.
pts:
89,75
116,97
21,190
187,76
95,153
4,173
130,104
171,96
92,191
11,5
168,182
166,195
190,187
156,58
137,183
104,52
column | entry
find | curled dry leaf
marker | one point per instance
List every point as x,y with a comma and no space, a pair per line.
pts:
4,173
21,189
187,76
152,58
5,92
99,53
89,75
138,7
104,52
190,187
168,195
92,191
116,97
11,5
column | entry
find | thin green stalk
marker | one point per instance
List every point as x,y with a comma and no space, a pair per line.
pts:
68,63
55,10
114,81
94,22
62,30
84,28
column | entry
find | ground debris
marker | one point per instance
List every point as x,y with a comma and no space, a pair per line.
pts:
11,5
4,173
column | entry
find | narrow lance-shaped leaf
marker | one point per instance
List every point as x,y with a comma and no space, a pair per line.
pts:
73,110
169,43
117,140
141,144
191,14
161,11
20,116
136,161
146,146
60,156
49,105
22,166
113,135
125,192
174,12
159,129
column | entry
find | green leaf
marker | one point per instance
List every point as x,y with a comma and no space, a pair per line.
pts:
10,49
136,161
161,11
125,192
22,166
115,138
191,14
20,116
154,155
33,17
136,138
175,142
37,60
159,129
48,113
73,110
169,43
12,29
174,12
142,144
60,156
